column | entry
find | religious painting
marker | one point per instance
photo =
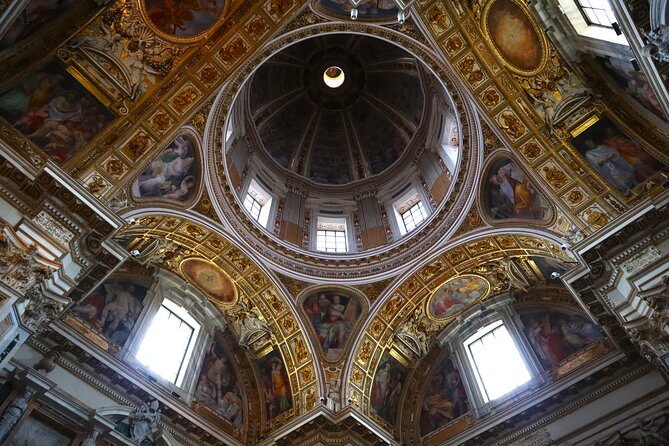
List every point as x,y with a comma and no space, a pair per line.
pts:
333,315
515,38
174,175
557,334
35,14
444,399
509,193
622,162
185,18
387,387
218,386
210,279
635,83
457,295
36,432
54,111
278,397
367,9
113,308
548,267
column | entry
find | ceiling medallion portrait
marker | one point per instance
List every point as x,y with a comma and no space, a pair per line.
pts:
456,295
210,279
183,19
515,38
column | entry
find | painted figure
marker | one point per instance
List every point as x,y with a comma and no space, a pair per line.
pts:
54,111
387,388
172,176
113,308
218,386
333,317
555,335
445,398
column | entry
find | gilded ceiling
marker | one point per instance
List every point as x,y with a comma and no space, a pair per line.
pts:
132,99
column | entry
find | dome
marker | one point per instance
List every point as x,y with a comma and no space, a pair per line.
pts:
337,108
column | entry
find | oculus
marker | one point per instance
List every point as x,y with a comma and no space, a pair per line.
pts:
456,295
334,77
210,279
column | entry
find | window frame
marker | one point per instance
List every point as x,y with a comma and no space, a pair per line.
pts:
190,344
498,308
171,287
253,189
587,19
331,220
484,388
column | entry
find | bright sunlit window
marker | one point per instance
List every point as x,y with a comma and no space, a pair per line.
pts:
253,206
414,216
496,361
331,235
409,212
257,201
168,343
596,12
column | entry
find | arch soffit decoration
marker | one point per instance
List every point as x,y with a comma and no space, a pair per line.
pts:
398,304
376,261
255,285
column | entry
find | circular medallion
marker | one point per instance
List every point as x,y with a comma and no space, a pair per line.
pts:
210,279
515,38
456,295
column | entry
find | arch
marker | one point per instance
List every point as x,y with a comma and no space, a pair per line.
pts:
480,252
258,287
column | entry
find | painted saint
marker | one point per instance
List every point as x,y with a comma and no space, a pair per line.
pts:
173,176
444,399
387,388
218,386
278,398
621,161
510,194
333,315
557,334
113,308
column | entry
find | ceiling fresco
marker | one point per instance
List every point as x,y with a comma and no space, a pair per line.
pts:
134,105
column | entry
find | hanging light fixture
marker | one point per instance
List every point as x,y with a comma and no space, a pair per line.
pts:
402,6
